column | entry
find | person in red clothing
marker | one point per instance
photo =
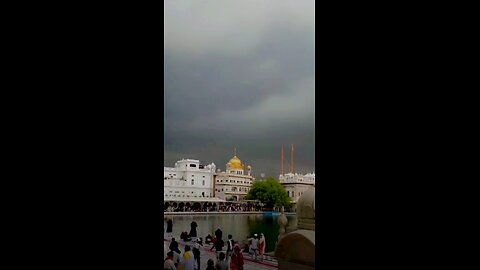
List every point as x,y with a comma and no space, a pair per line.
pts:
214,240
237,262
261,246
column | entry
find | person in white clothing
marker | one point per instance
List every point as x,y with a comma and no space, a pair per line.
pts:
230,244
169,264
254,246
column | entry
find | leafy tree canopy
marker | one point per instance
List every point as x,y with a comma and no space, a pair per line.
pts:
270,192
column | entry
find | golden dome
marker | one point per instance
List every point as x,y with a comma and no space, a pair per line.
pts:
235,163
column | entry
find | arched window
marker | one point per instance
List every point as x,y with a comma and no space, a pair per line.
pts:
193,181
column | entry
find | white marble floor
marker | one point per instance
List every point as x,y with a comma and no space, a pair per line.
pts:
205,254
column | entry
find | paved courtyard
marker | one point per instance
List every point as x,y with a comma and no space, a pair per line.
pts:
206,254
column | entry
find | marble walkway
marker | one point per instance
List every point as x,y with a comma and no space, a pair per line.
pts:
205,254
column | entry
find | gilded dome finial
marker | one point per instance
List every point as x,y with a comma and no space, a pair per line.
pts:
235,163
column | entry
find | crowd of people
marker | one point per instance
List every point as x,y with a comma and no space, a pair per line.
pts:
228,207
229,255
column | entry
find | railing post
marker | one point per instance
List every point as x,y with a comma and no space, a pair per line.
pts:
282,221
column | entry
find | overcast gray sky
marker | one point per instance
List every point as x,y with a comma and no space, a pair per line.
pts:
240,74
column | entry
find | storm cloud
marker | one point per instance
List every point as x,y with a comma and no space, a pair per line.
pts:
240,74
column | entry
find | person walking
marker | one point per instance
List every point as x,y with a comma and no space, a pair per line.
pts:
254,246
169,227
214,240
176,259
174,246
221,264
261,246
219,247
169,264
193,231
230,243
187,262
196,253
237,262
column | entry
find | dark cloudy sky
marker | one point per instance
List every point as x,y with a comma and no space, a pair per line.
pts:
240,74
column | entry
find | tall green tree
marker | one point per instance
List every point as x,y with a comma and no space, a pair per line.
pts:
270,192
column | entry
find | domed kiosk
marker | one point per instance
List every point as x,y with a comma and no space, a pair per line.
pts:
306,210
296,250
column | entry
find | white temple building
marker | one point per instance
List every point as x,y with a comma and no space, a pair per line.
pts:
296,184
234,183
189,181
